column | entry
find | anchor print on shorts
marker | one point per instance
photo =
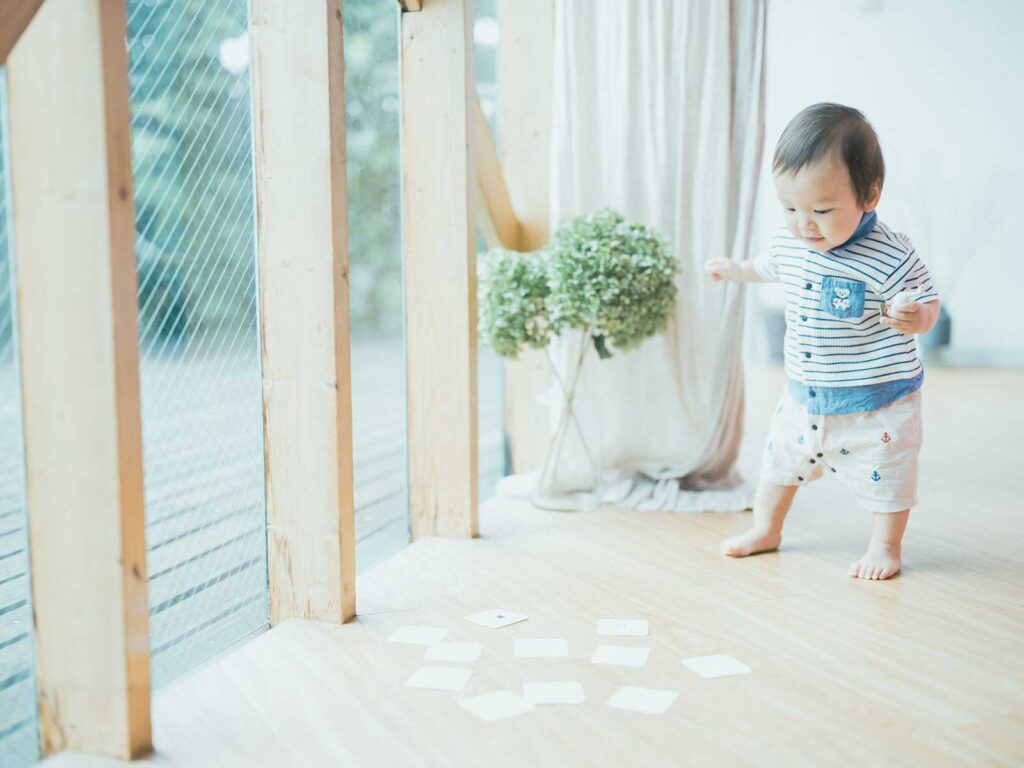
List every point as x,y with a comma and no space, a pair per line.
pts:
800,440
844,452
875,476
886,437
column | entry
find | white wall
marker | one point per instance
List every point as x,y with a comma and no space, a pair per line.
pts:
942,81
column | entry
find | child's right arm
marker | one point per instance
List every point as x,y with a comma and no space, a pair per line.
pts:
732,271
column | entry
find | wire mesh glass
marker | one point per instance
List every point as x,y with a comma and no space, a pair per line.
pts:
198,328
492,453
19,728
375,269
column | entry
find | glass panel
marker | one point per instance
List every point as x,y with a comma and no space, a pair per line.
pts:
375,268
19,727
198,330
492,454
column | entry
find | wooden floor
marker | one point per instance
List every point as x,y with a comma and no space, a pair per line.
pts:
922,670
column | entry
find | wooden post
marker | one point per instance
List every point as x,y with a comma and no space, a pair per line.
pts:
74,225
439,231
302,221
524,113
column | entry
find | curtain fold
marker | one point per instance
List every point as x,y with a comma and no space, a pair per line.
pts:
658,112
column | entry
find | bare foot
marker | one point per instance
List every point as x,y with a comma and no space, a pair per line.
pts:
752,542
881,561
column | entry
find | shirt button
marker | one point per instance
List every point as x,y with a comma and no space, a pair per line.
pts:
808,286
800,479
803,318
813,461
814,426
820,455
807,354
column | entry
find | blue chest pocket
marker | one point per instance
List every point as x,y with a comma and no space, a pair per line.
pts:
842,297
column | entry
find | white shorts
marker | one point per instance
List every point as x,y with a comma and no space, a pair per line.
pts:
874,453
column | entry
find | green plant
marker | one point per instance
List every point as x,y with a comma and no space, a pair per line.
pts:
513,295
612,278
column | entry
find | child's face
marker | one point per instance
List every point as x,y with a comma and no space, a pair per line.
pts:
820,205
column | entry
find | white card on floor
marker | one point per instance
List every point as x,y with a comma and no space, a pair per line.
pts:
653,701
496,618
497,705
620,655
716,666
553,648
624,627
418,635
440,678
453,652
567,692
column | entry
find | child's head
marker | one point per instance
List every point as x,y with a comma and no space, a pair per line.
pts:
828,171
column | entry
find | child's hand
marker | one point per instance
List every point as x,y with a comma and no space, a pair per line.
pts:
907,317
722,269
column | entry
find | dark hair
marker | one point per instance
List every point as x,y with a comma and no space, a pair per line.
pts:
832,129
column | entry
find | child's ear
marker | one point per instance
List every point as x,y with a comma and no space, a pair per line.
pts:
873,196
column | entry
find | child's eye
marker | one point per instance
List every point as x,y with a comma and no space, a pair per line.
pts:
791,210
826,211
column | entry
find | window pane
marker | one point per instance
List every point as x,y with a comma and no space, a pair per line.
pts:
198,329
490,368
19,740
375,269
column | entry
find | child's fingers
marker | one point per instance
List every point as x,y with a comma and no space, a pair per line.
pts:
905,312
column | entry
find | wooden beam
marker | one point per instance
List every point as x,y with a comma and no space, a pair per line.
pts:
500,217
524,113
15,16
302,227
74,220
439,234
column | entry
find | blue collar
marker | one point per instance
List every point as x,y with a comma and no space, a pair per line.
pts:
867,223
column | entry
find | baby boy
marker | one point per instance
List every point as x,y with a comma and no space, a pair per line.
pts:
856,294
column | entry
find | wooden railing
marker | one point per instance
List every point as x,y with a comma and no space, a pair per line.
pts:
74,221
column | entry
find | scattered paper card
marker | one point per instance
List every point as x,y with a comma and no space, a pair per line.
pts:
624,627
716,666
497,705
620,656
453,652
418,635
567,692
496,618
652,701
554,648
440,678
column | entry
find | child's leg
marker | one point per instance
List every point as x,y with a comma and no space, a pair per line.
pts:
771,504
882,559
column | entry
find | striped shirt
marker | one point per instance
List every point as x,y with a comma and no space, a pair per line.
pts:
833,302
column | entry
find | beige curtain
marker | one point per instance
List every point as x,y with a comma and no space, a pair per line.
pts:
658,112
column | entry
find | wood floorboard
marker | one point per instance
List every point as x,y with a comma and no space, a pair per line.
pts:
924,669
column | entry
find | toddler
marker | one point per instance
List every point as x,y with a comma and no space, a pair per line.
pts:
856,293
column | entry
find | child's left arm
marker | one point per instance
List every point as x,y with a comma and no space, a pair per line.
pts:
915,302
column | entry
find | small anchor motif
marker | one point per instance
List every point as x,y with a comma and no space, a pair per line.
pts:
875,476
801,440
844,452
886,437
